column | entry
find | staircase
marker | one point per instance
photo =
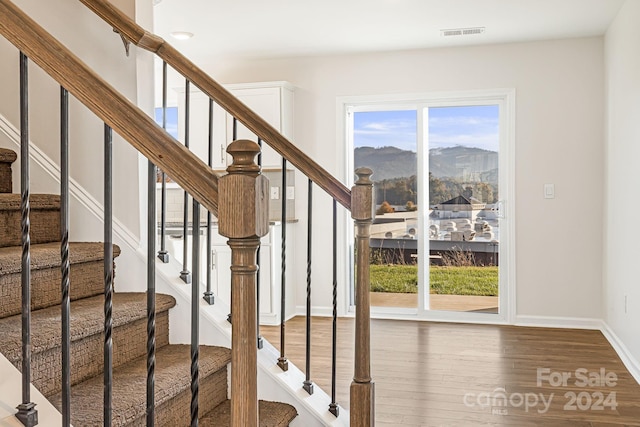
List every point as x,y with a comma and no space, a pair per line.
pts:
172,372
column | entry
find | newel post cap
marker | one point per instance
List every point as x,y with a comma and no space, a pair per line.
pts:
243,204
362,196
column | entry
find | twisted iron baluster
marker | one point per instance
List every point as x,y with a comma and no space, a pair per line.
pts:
185,275
283,363
333,406
26,410
64,256
108,274
163,255
260,339
308,384
151,293
208,294
195,305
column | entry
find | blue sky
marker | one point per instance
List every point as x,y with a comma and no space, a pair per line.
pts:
472,126
172,120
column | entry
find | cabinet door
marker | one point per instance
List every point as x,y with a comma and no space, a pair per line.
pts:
267,102
199,128
221,272
221,277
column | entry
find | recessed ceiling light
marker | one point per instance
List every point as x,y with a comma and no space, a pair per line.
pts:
181,35
462,31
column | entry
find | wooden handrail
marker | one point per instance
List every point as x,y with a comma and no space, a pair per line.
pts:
109,105
141,38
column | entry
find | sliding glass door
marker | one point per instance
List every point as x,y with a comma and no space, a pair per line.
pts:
439,242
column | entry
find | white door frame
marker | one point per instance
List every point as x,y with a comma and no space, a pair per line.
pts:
419,101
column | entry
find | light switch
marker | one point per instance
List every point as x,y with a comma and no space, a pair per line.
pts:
275,193
549,191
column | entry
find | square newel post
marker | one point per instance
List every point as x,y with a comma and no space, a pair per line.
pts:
243,217
362,387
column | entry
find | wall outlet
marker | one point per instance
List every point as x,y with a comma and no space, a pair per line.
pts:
275,193
291,193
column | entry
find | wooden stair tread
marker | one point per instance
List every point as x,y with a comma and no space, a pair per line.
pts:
172,376
272,414
47,255
86,320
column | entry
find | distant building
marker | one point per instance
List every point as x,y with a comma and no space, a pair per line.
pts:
460,207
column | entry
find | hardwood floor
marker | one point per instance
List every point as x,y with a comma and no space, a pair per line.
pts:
443,374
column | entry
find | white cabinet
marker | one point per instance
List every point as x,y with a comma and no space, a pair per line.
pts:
273,101
270,276
199,128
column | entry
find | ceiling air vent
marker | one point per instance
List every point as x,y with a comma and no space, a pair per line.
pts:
462,31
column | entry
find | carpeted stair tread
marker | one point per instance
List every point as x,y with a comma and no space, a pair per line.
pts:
12,201
44,219
86,276
47,255
7,157
272,414
86,320
172,376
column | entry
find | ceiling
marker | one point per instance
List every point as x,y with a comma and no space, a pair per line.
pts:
283,28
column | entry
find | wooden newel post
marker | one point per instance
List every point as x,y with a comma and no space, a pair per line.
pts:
243,217
362,387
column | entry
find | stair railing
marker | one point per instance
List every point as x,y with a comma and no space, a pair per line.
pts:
357,201
119,114
202,184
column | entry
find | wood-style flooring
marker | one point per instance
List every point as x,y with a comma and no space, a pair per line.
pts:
443,374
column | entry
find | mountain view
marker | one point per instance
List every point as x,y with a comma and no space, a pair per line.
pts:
463,163
451,170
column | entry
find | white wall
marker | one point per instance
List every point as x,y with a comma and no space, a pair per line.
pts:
97,45
559,139
622,251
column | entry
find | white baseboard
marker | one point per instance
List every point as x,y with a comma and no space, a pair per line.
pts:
558,322
630,362
318,311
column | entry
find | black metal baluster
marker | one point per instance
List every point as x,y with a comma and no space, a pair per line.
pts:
260,339
283,363
308,384
333,406
163,255
108,274
151,293
195,305
208,294
185,275
234,136
64,256
27,413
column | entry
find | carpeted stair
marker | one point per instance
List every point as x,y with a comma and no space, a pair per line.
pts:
173,362
7,157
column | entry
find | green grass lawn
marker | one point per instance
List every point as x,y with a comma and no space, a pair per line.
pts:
481,281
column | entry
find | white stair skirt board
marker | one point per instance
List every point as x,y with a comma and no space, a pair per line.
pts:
11,395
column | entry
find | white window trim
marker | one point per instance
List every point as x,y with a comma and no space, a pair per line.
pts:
506,97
